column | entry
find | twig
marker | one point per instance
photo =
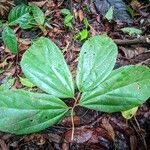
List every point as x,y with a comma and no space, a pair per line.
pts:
72,120
143,138
138,129
61,3
141,40
143,62
146,6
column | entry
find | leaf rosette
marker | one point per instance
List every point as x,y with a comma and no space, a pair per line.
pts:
101,87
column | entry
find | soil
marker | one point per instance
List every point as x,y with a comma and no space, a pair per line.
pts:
93,130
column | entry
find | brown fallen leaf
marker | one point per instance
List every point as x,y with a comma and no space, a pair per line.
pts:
80,135
26,41
3,64
78,1
132,51
67,121
108,127
81,15
38,138
133,142
3,145
39,4
54,138
65,146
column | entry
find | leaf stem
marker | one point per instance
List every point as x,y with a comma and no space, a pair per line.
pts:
72,120
72,115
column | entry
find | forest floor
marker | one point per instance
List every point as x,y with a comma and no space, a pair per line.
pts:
93,130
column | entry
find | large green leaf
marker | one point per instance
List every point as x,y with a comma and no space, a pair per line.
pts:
21,15
124,89
10,39
24,112
96,61
44,64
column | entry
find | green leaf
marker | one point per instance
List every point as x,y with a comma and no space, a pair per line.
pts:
131,30
131,11
86,22
69,25
38,14
10,39
83,34
26,82
27,22
96,61
21,15
18,12
24,112
68,19
128,114
44,65
124,89
65,12
109,14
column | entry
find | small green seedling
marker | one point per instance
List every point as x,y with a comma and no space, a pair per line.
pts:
101,88
86,22
68,18
82,35
26,17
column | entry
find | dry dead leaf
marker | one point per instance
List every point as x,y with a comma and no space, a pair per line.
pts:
108,127
3,145
81,15
67,121
39,4
133,142
80,135
26,41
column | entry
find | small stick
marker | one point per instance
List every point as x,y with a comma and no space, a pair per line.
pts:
72,118
141,40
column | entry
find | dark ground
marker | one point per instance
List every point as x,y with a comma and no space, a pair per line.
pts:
93,130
